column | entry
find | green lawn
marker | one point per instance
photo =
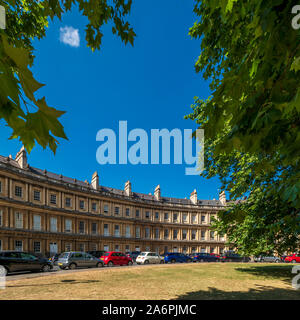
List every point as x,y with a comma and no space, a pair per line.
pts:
188,281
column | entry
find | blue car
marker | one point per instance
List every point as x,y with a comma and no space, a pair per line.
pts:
173,257
203,256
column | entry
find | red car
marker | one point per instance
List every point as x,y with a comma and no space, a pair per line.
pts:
112,258
293,258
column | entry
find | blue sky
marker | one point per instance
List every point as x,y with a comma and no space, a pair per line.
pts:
151,85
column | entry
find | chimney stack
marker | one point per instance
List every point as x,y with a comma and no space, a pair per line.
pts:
193,197
127,189
21,158
222,198
95,180
157,193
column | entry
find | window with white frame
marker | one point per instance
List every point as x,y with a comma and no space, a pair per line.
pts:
117,247
94,206
147,233
137,213
53,224
156,233
175,234
194,232
68,202
81,204
127,248
203,250
127,212
202,218
147,214
106,247
105,209
212,235
166,233
117,210
184,234
117,231
36,247
68,225
53,198
166,216
94,228
194,218
81,227
175,217
36,222
202,235
19,220
137,232
106,230
18,191
68,247
128,233
184,217
36,195
19,245
156,215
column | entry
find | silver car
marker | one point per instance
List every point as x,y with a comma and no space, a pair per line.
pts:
73,260
267,259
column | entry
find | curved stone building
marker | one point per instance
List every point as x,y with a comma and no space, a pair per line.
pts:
45,213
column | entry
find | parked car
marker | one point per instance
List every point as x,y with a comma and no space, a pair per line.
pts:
173,257
293,258
112,258
203,256
98,253
133,255
74,259
23,261
233,257
149,257
263,258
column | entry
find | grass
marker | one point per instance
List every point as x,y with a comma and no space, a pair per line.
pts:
188,281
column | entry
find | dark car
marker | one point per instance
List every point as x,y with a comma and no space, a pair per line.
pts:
233,257
202,257
97,254
133,255
23,261
176,257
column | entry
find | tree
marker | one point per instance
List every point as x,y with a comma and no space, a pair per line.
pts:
31,119
251,55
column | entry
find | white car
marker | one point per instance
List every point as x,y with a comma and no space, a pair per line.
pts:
149,257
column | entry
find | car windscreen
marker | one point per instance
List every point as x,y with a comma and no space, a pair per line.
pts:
142,254
106,254
64,255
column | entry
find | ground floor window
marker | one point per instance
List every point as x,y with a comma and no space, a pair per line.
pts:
127,248
106,247
137,249
18,245
81,247
36,247
203,250
193,250
147,248
68,247
175,249
94,247
117,247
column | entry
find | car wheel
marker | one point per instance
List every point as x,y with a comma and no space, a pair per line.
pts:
62,268
129,263
72,266
162,262
173,261
110,264
294,261
277,261
201,260
5,271
146,262
189,260
46,268
99,265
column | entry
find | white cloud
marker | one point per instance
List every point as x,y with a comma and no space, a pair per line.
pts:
70,36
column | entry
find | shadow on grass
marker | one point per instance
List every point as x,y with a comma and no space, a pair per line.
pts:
70,281
281,272
259,293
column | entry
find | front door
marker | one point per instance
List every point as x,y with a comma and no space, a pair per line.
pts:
53,248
